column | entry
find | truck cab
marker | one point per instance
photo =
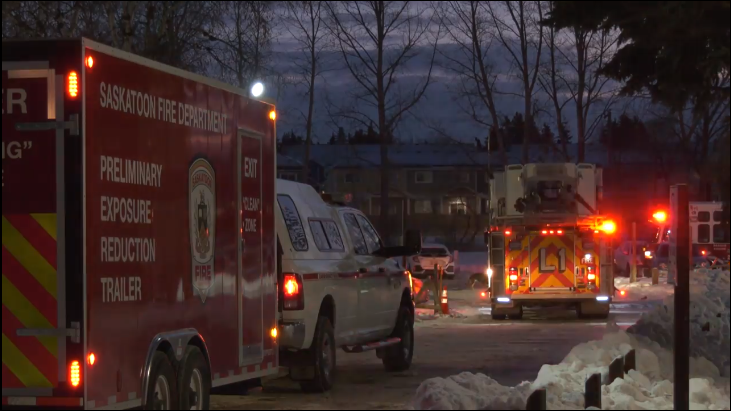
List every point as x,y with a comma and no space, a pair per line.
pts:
339,288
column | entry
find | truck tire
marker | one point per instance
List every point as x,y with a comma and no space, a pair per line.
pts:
322,357
162,388
398,358
194,381
496,316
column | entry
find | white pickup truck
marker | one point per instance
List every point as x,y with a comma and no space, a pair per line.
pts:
339,288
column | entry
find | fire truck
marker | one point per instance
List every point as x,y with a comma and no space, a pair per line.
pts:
708,229
138,231
548,244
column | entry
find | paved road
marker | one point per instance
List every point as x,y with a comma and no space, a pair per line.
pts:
509,352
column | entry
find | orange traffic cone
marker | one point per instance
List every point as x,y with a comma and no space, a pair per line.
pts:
445,302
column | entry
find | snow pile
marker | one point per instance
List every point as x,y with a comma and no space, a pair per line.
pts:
709,319
642,290
649,387
469,391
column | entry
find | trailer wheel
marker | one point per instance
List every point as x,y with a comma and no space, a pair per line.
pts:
162,388
322,357
398,358
194,380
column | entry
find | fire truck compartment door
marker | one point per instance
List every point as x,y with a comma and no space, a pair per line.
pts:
34,298
251,248
552,263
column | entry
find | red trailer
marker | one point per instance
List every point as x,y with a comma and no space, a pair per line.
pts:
139,249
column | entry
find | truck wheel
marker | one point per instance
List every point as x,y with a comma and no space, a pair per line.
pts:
497,316
162,388
194,381
398,357
322,354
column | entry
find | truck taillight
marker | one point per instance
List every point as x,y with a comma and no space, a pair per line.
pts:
73,84
591,274
292,292
75,373
513,274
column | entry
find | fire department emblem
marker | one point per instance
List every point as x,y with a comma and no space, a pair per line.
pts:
202,211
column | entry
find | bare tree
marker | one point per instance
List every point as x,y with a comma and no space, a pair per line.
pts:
519,31
47,19
304,22
377,39
240,43
549,78
467,25
585,54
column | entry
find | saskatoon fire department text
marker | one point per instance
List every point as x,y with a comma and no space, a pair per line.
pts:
13,150
119,98
127,211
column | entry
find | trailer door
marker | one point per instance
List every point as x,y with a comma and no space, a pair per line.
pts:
251,249
33,304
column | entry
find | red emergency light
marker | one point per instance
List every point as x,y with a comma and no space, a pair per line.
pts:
73,84
660,216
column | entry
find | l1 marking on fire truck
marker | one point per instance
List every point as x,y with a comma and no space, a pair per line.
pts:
202,211
543,264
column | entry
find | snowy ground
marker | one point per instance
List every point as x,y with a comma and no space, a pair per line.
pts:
650,387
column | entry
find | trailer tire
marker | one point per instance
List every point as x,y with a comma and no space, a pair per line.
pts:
398,358
322,357
194,381
162,387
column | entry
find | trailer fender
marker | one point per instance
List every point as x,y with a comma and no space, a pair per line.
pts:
172,343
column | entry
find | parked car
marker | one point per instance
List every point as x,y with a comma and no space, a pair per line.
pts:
661,257
340,288
422,265
623,258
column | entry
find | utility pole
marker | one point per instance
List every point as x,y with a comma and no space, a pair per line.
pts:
680,252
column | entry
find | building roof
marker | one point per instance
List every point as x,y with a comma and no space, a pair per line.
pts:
450,155
284,161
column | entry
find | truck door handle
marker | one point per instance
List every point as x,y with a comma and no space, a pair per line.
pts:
363,270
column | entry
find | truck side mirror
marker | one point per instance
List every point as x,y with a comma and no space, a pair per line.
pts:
412,241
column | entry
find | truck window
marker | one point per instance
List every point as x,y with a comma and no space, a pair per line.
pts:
294,223
371,235
718,216
704,233
704,216
359,242
720,233
333,235
318,234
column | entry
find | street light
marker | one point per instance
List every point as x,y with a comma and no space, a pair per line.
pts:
257,90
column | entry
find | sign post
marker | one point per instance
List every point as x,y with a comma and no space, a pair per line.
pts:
680,252
633,254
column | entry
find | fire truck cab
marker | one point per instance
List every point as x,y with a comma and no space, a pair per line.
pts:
547,243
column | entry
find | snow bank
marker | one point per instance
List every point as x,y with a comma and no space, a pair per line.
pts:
709,319
650,387
642,290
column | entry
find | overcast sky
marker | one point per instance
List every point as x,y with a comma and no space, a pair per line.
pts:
442,107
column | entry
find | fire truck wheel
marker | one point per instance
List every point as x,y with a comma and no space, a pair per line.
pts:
398,358
496,315
194,380
162,389
322,357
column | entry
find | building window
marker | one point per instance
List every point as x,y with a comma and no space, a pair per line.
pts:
423,207
458,207
351,178
290,176
704,233
464,177
424,177
393,206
